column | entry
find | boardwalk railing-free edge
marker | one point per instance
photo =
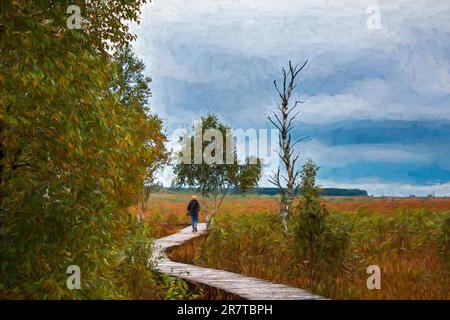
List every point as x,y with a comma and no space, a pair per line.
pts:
233,283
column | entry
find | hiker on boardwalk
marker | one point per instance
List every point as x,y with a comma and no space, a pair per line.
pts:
193,209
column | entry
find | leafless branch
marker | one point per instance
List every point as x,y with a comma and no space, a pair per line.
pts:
284,122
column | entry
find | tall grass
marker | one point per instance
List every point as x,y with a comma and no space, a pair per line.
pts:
411,246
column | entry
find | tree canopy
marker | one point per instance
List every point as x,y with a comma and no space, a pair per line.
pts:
76,145
214,179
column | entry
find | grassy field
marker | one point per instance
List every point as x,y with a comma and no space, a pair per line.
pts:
407,237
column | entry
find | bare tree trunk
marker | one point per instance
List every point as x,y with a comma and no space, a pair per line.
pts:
205,209
217,202
283,120
142,206
139,209
284,213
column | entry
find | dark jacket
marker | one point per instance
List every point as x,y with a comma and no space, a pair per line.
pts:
193,206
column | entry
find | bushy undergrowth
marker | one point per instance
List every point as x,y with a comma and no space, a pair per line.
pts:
410,246
136,277
119,270
321,241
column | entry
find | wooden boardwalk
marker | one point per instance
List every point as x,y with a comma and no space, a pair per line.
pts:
233,283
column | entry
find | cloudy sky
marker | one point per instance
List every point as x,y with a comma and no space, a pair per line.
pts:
376,87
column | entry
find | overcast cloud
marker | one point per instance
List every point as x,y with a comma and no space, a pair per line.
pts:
377,101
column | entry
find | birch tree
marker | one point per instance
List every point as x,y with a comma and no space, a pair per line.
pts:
283,118
214,180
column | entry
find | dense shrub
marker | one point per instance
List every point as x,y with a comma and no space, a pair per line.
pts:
321,241
75,149
322,244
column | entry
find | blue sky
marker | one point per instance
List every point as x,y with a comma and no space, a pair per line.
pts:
377,101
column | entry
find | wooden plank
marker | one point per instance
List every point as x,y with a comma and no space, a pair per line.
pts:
241,286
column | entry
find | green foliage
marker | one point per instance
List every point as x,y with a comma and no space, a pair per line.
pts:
75,151
322,245
308,180
134,275
216,179
132,89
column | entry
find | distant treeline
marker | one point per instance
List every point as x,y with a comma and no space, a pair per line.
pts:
327,192
343,192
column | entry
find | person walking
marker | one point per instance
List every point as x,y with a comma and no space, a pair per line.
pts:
193,208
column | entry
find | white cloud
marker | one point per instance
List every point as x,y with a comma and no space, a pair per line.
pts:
265,27
325,109
221,54
370,99
341,155
198,43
